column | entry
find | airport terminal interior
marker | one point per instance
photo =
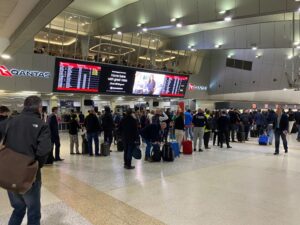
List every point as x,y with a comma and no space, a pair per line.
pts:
221,73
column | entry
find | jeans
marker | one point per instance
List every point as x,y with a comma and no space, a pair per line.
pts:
198,134
90,137
224,134
247,129
56,143
189,132
128,149
74,141
233,129
206,138
148,148
216,137
108,136
30,201
278,134
270,133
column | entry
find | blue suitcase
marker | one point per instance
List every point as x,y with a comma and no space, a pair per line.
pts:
175,148
263,139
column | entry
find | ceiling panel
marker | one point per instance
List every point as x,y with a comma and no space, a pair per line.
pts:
246,7
271,6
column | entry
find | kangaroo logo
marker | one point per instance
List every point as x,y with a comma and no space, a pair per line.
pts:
5,72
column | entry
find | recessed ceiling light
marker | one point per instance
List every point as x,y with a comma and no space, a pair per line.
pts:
218,45
227,18
254,48
145,29
5,56
290,57
230,56
258,56
179,25
173,19
193,50
285,89
114,28
222,12
119,32
139,25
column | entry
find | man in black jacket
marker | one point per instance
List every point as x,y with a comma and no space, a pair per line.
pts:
108,125
199,121
4,112
129,133
224,126
53,125
152,133
29,135
281,127
92,126
297,118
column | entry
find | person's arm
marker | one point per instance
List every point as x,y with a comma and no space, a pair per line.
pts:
44,145
164,117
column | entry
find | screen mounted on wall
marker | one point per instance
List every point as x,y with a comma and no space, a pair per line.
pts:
77,77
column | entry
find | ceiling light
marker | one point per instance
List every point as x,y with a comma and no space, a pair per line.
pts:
258,56
254,48
290,57
193,50
114,28
296,43
218,46
179,25
190,46
298,47
285,89
173,20
230,56
139,25
119,32
145,29
5,56
227,19
222,12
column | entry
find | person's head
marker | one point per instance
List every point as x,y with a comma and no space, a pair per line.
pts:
279,111
163,125
158,111
74,116
224,113
33,104
207,111
54,110
107,109
92,111
188,110
4,111
200,111
129,112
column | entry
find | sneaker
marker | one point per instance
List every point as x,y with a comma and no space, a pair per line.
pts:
286,152
229,147
276,153
58,160
207,147
194,149
200,150
78,153
72,153
129,167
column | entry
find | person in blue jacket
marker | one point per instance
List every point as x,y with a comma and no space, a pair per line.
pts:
281,127
152,133
188,123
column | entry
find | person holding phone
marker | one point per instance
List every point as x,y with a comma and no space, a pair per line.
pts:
281,127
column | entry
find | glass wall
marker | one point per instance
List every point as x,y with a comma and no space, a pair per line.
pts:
70,35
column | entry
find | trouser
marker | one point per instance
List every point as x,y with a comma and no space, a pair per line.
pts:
223,134
166,134
233,129
56,143
74,141
260,129
179,135
206,139
189,132
216,137
278,134
247,129
128,149
91,137
298,136
198,134
108,136
148,148
31,201
270,133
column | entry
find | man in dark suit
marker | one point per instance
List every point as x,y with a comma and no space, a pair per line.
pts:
281,127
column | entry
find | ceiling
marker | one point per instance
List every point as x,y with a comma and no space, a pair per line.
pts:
98,8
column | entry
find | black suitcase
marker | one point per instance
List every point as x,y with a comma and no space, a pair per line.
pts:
156,153
253,133
240,136
105,149
167,153
84,145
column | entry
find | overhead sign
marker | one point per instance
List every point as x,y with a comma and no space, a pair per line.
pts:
193,87
4,72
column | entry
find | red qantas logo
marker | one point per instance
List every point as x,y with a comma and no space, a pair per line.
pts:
5,72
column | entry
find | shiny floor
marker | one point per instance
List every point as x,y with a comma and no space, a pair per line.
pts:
245,185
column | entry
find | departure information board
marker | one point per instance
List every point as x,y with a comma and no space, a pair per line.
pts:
174,86
76,77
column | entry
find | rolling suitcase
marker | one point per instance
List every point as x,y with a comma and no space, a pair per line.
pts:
155,153
175,148
105,149
167,153
187,147
84,145
263,139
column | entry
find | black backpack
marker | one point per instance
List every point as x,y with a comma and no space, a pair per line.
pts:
208,125
156,153
167,153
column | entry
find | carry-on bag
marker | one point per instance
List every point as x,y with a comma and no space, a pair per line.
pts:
84,144
175,148
155,153
187,147
263,139
105,149
167,153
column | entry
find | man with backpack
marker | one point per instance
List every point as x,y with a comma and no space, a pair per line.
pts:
92,126
29,135
207,129
199,121
108,125
152,134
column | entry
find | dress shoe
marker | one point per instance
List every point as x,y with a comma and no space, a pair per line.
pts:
200,150
229,147
72,153
286,152
276,153
78,153
129,167
207,147
194,149
58,160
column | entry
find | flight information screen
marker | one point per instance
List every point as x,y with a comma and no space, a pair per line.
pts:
78,77
174,86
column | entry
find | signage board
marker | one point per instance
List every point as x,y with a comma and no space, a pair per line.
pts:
5,72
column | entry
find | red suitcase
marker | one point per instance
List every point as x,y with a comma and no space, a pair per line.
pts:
187,146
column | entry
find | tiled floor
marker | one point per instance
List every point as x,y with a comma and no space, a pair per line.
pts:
242,186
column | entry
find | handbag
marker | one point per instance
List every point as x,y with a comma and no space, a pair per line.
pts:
17,171
136,153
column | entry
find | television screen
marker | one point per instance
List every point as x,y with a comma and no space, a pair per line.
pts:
157,84
77,77
116,80
88,102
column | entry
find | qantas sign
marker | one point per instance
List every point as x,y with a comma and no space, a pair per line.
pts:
193,87
4,72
